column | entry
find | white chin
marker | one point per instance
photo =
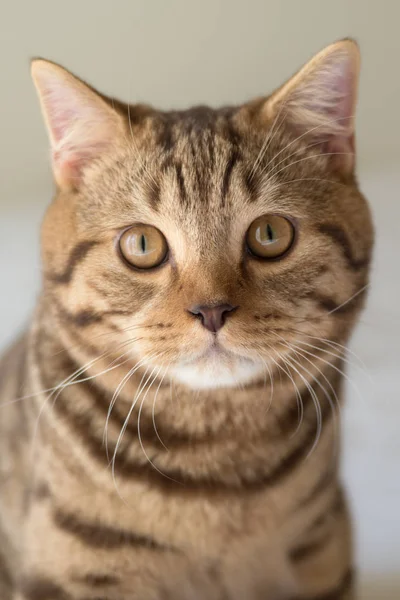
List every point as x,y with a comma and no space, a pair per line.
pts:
213,373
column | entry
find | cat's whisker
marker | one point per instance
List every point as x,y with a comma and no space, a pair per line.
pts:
341,356
138,155
71,380
357,293
103,334
115,364
299,151
139,390
295,162
334,367
118,390
304,134
65,381
297,180
310,319
299,353
335,345
153,417
280,368
271,379
315,400
291,348
340,351
123,429
271,134
299,399
139,435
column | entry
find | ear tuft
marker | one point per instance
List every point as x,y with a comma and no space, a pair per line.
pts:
80,123
320,101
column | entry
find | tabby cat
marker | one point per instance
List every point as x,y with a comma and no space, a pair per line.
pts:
170,420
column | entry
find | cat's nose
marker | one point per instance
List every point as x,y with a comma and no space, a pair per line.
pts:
212,317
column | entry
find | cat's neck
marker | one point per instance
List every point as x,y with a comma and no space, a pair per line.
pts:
164,431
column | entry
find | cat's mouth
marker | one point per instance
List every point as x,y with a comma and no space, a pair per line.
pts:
214,350
216,353
216,366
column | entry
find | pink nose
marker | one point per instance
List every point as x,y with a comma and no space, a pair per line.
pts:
212,317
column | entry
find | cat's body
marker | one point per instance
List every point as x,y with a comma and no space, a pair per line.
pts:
221,476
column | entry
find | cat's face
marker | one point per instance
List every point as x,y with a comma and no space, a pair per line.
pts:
208,244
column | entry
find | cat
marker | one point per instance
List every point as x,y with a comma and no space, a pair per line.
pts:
170,420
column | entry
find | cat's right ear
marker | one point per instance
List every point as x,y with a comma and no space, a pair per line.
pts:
318,103
81,125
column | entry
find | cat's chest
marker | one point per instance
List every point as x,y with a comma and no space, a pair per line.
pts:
224,543
200,522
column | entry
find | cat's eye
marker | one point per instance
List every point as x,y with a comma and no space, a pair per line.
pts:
270,236
143,246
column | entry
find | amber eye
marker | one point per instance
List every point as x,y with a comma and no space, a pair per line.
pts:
270,236
143,246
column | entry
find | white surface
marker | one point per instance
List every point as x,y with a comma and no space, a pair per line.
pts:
372,421
372,424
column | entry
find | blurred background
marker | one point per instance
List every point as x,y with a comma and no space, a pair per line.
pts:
173,53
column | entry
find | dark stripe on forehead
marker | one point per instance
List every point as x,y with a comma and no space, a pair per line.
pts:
230,130
232,161
199,118
99,535
210,143
165,137
181,183
339,237
252,183
153,193
76,256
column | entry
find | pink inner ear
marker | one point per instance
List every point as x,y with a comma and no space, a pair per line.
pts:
79,133
343,90
68,164
331,96
61,121
67,169
80,122
63,106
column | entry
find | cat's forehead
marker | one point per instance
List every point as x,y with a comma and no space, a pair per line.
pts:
191,169
198,135
201,168
190,160
198,121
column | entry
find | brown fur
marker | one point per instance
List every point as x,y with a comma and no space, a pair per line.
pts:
229,496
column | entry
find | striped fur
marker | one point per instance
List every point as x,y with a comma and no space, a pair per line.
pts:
127,484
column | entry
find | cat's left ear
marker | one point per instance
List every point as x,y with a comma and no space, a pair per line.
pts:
81,124
318,103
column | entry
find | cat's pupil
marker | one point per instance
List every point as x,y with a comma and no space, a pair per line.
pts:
143,243
270,233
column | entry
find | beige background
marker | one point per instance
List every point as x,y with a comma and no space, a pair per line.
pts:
179,52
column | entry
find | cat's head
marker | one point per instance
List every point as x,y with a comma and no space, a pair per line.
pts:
206,242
